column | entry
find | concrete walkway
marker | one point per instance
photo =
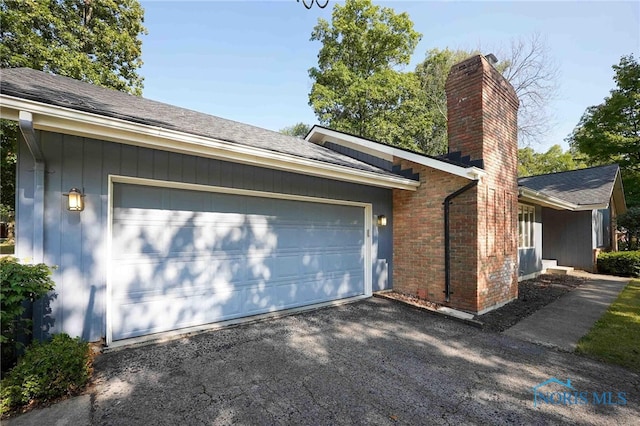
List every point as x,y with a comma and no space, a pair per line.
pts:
70,412
562,323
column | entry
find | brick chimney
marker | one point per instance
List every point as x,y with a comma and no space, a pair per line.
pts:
482,124
482,239
482,114
482,110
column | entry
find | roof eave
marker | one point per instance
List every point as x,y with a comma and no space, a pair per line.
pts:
536,197
320,135
544,200
597,206
617,194
70,121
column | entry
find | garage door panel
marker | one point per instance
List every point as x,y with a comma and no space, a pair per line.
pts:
335,262
205,257
342,285
289,238
129,196
153,316
147,238
164,272
330,237
327,261
291,293
184,201
286,266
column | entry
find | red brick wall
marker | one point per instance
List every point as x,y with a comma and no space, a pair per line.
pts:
482,124
418,232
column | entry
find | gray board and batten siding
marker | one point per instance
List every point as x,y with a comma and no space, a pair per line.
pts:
568,238
78,242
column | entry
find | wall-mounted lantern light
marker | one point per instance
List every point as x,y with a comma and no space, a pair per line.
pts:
75,202
382,220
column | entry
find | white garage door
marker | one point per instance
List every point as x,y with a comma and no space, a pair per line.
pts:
183,258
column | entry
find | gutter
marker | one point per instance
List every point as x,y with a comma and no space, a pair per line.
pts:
447,238
544,200
25,122
69,121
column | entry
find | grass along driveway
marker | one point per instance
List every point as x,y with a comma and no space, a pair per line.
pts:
615,338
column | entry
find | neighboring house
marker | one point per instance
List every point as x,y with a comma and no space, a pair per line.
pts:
189,219
568,217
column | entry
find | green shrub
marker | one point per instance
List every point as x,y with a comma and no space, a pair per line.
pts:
47,371
19,283
622,263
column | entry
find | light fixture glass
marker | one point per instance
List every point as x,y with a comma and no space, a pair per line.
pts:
75,202
382,220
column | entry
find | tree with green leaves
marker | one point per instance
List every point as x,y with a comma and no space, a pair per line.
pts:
532,163
610,132
97,41
358,85
525,64
299,130
432,74
629,224
8,159
94,41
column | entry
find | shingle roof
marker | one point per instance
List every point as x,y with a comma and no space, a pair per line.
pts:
454,158
51,89
593,185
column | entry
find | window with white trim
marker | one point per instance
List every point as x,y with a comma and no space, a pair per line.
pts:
526,220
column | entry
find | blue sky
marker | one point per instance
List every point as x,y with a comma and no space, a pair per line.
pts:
248,60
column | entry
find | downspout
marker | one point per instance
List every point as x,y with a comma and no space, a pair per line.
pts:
447,238
26,128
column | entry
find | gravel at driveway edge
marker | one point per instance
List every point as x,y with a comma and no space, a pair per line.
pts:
533,295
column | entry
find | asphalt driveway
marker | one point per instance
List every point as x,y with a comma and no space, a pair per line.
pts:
371,362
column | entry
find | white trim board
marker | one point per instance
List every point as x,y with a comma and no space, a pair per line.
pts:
69,121
320,135
119,179
531,196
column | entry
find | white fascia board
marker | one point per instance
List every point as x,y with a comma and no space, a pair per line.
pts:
592,206
321,135
536,197
617,194
7,113
69,121
544,200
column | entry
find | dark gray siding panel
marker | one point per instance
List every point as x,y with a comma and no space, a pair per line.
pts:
77,242
367,158
568,238
529,262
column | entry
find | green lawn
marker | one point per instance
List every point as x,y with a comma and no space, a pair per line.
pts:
615,337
